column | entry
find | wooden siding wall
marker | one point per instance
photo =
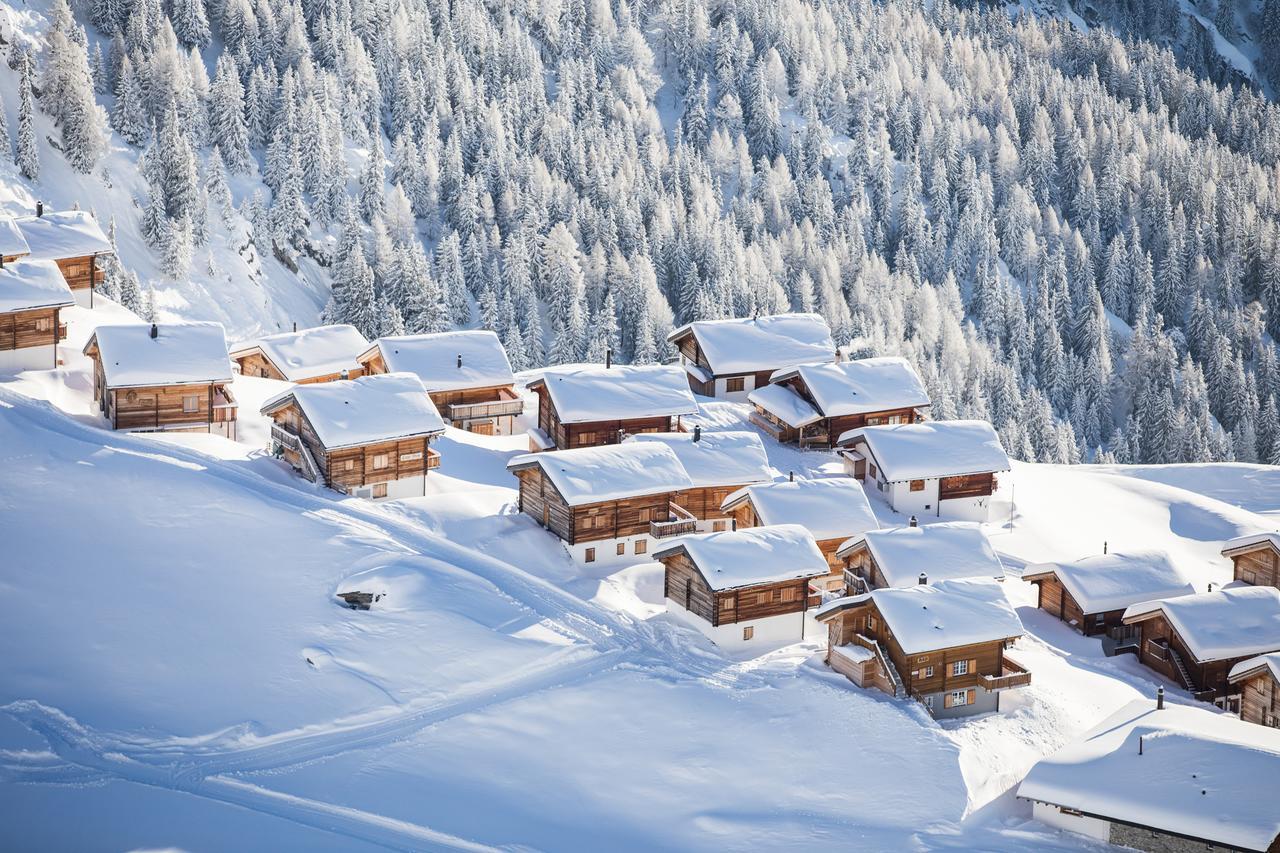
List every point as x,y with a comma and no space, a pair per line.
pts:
763,600
613,519
705,502
1262,566
592,433
374,364
255,364
467,396
966,486
1204,676
744,516
333,465
82,272
20,329
540,498
1260,701
684,584
162,406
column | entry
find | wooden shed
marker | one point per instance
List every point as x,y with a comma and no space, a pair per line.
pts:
32,297
1258,681
1255,558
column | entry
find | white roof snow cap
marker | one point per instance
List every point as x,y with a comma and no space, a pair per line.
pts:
1199,774
757,555
1114,581
365,410
435,359
1252,539
28,285
750,345
785,405
716,458
322,351
828,507
11,240
63,234
947,614
587,475
1229,623
597,393
933,449
858,387
1270,662
945,551
179,354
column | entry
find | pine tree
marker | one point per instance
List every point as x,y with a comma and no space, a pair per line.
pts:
129,115
190,22
226,116
28,159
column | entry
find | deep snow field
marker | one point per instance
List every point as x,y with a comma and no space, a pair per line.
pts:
178,673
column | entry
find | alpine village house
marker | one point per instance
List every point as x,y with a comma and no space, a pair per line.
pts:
943,644
728,359
72,240
900,557
744,586
814,404
369,437
594,405
163,377
1258,682
466,373
32,295
1255,558
321,354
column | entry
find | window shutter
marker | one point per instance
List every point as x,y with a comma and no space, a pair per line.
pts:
973,668
946,700
972,694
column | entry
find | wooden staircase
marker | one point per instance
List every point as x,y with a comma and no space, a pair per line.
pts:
1181,669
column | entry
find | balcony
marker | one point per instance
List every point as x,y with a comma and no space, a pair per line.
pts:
681,522
775,430
507,405
433,459
306,464
1014,674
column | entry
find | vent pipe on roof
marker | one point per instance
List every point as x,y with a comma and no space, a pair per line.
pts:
1210,586
608,358
697,432
1160,699
295,325
459,361
913,522
791,476
39,209
1,262
1104,546
155,331
1139,744
345,374
924,579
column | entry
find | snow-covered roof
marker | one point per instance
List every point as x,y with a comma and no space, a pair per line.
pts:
1186,770
622,392
828,507
785,405
1114,581
587,475
1270,662
932,449
749,345
322,351
716,458
859,387
945,551
11,240
365,410
1273,539
63,234
947,614
448,361
757,555
27,285
1228,623
179,354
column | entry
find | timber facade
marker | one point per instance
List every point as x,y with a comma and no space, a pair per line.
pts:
1257,564
592,433
254,363
735,383
685,584
1162,649
1055,599
826,431
744,516
39,327
1259,696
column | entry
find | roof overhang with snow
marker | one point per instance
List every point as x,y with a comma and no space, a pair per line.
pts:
1234,622
1251,542
1107,582
754,345
60,235
366,410
321,351
590,475
179,354
931,450
32,285
944,551
448,361
594,393
755,556
860,387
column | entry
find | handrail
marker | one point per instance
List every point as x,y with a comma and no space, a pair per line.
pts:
287,439
891,671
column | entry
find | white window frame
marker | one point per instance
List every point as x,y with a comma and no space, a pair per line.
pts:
190,404
959,698
960,667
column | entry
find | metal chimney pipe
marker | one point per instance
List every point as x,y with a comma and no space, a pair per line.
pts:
345,374
924,579
1160,699
791,476
1104,546
155,331
295,325
39,209
608,358
913,522
697,432
459,361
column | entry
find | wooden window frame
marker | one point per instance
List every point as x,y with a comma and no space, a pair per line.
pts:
748,633
642,546
917,485
379,490
589,556
734,384
190,404
381,461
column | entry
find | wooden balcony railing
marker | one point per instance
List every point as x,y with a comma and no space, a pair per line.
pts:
1013,675
433,459
306,463
487,409
681,522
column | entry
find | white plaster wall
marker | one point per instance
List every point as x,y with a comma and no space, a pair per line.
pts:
607,551
748,385
925,504
82,297
405,487
770,631
28,358
1079,824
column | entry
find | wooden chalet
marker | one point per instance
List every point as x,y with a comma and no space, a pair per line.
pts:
729,359
369,437
743,586
813,404
1195,640
593,405
832,509
945,469
32,295
163,377
466,373
1258,682
1163,778
1255,558
606,504
72,240
12,244
322,354
1091,594
902,557
718,463
942,644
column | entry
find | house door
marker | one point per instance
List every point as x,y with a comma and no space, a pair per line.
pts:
482,428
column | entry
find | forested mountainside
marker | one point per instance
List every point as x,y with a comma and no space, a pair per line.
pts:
1068,234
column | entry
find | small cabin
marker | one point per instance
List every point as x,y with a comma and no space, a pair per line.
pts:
321,354
743,586
593,405
72,240
32,297
369,437
832,509
12,244
728,359
163,377
1258,682
1255,558
1195,640
814,404
607,504
1163,778
942,644
466,373
944,469
902,557
1091,594
718,463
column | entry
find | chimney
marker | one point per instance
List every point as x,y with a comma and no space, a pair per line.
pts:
1,262
697,432
1160,699
608,358
791,476
345,374
1210,586
459,361
1104,547
924,579
155,332
295,326
912,522
39,209
1139,744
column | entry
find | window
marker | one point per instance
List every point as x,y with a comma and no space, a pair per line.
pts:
928,672
871,469
590,556
586,438
875,421
871,623
44,324
959,697
717,526
748,632
646,515
379,461
622,548
789,595
917,485
735,384
960,667
350,464
379,490
727,603
642,546
763,597
190,403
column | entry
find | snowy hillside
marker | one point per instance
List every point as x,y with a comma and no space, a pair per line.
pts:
179,673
